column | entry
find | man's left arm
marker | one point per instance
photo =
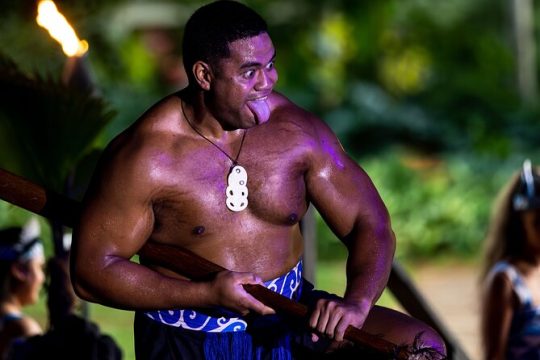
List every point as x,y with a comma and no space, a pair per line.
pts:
348,201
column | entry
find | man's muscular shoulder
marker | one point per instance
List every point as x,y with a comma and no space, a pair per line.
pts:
294,118
287,114
143,151
162,120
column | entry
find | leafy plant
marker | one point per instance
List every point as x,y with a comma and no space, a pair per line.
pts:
46,127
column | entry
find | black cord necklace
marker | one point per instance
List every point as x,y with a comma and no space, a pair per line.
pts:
237,191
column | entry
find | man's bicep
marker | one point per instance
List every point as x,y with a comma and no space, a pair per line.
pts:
115,228
116,218
339,188
344,194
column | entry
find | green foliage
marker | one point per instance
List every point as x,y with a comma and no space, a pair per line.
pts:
439,206
45,126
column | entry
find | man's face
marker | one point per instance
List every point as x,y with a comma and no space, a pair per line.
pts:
243,82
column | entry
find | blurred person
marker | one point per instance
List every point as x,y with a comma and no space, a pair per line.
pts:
21,275
510,278
226,168
70,336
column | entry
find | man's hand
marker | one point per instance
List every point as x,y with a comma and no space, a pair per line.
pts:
228,292
331,317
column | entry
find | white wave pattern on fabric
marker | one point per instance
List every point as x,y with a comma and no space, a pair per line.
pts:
287,285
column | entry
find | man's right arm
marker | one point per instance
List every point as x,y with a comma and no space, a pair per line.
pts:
115,222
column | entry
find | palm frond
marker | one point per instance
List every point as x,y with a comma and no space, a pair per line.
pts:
45,126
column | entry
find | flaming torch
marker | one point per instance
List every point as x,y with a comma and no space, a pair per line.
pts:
75,76
75,70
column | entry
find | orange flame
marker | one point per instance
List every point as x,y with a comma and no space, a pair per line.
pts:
58,27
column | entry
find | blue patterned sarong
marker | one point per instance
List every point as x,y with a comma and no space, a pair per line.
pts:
288,285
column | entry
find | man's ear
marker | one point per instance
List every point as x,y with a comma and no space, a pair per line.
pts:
202,74
19,271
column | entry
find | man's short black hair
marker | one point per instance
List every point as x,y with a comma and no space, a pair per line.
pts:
211,29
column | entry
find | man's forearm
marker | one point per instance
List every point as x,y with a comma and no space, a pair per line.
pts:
368,269
130,286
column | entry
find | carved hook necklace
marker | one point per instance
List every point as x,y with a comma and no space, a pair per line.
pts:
237,191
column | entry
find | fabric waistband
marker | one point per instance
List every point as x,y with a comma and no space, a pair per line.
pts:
288,285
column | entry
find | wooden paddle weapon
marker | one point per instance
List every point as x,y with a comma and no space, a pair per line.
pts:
32,197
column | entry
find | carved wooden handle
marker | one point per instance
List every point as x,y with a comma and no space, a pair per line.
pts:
193,266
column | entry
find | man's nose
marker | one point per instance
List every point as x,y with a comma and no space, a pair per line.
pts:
265,80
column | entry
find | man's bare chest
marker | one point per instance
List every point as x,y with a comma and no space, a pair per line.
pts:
200,186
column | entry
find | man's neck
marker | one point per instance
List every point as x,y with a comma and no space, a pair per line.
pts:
197,113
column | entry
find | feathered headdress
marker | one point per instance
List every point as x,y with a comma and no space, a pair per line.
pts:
21,243
527,196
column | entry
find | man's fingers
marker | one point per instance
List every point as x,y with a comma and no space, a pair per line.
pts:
322,326
257,306
244,303
253,303
333,321
314,318
332,318
252,279
340,329
319,316
268,311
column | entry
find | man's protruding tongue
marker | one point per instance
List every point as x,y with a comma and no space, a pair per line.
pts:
260,109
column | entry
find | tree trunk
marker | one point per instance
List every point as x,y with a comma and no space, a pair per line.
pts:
58,303
522,28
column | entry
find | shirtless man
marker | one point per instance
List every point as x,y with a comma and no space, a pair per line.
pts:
227,168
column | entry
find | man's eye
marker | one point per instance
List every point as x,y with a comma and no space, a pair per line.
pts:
270,65
249,74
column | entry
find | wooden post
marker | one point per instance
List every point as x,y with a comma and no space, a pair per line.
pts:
522,29
309,233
